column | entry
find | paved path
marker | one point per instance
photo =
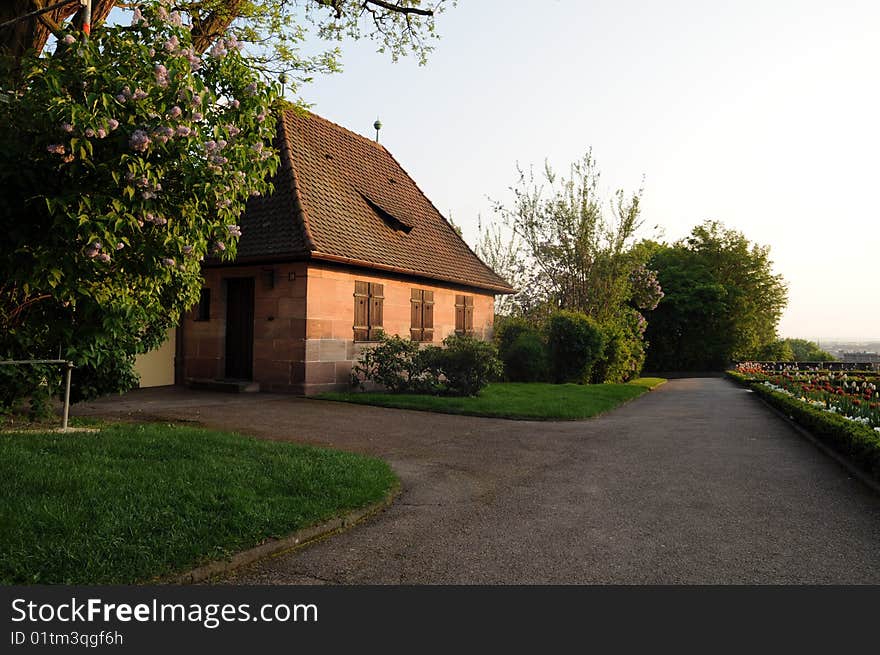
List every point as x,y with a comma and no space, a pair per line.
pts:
696,482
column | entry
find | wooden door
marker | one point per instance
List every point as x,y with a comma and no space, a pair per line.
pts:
240,328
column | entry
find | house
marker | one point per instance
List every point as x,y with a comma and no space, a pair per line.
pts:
347,246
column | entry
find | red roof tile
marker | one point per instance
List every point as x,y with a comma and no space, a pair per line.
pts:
342,197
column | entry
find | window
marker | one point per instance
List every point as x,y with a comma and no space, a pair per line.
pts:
368,298
422,323
203,309
464,315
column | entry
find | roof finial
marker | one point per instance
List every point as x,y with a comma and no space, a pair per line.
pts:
378,126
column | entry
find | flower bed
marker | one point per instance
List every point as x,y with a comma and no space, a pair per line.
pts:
852,395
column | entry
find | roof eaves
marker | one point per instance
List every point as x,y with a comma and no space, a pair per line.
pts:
361,263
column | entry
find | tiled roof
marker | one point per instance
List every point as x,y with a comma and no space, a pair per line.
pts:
342,197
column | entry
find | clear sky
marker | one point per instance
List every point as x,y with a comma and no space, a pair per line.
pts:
764,115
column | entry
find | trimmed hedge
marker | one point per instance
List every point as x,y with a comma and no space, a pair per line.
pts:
858,443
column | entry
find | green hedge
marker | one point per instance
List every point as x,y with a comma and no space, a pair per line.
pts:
858,443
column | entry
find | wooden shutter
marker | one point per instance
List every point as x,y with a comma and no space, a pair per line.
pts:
361,311
469,315
416,326
459,315
377,298
427,316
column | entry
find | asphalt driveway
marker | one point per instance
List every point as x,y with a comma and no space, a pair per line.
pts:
696,482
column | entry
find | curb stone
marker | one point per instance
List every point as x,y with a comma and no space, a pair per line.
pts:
273,547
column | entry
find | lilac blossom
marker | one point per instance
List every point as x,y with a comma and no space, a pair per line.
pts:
183,130
68,40
139,141
139,94
67,127
112,124
171,44
234,230
89,132
168,261
175,112
197,116
101,133
56,149
104,257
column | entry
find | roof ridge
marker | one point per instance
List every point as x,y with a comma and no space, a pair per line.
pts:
299,207
339,127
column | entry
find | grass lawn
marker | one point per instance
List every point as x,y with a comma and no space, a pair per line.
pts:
514,400
133,502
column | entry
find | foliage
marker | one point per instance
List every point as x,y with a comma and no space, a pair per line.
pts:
462,367
397,364
513,400
575,341
803,350
526,359
464,364
125,159
574,256
722,300
280,35
522,349
855,441
133,502
775,351
624,352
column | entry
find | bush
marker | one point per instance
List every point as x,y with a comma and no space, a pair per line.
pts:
465,364
397,364
522,349
575,341
462,367
624,353
526,359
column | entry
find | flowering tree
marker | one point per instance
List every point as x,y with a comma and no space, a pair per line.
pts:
125,160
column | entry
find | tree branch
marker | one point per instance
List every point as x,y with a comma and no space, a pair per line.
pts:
399,9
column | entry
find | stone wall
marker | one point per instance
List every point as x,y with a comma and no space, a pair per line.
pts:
279,327
296,351
330,347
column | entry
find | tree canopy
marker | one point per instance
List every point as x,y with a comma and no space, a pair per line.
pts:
273,31
125,159
722,300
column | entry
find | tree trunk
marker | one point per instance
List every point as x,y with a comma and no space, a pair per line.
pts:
32,33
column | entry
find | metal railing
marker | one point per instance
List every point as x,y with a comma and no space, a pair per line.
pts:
67,363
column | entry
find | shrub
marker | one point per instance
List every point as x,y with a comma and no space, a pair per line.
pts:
462,367
509,328
465,364
575,341
522,350
624,353
526,359
397,364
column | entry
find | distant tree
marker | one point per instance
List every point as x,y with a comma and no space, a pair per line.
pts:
808,351
775,351
722,300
